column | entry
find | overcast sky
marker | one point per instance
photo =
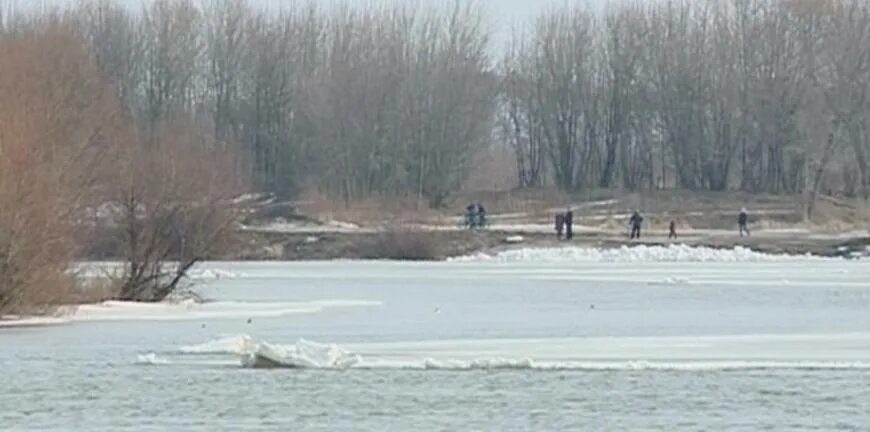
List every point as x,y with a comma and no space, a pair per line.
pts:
503,14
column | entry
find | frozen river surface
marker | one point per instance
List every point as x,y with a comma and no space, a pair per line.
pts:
517,343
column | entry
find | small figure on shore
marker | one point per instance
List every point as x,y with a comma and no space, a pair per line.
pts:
636,221
569,224
743,222
475,216
560,225
470,215
672,231
481,215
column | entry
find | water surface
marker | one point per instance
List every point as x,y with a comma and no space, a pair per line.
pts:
466,346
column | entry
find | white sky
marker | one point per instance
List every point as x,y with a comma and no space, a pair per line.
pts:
503,14
503,11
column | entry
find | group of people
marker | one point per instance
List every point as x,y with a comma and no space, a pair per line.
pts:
475,216
565,221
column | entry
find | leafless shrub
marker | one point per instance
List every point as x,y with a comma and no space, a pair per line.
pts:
56,122
404,244
177,209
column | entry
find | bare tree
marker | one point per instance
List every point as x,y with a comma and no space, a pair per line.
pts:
519,126
627,112
172,49
176,209
110,31
841,83
226,42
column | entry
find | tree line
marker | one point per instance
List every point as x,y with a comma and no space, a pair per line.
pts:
757,95
351,101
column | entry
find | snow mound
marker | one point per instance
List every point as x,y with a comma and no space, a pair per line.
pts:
262,355
639,254
151,359
303,355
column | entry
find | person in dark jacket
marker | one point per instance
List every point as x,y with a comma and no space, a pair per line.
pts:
560,225
635,221
470,216
743,222
481,215
569,224
672,231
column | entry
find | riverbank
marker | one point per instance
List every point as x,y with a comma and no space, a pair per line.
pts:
446,244
299,231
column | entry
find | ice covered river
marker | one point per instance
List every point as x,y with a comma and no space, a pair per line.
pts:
533,341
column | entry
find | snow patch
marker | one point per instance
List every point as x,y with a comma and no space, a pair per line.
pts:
151,359
193,310
673,253
280,225
212,274
476,364
103,269
254,197
672,281
14,321
232,345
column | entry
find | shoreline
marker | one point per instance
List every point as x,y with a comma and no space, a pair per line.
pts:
452,244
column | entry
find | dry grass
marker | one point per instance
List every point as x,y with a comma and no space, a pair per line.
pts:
370,211
702,210
404,245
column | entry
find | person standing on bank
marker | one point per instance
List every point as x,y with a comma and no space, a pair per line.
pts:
569,224
560,225
743,222
635,221
481,215
672,231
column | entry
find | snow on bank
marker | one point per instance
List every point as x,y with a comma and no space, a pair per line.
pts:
180,311
17,322
639,254
282,226
192,310
103,269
